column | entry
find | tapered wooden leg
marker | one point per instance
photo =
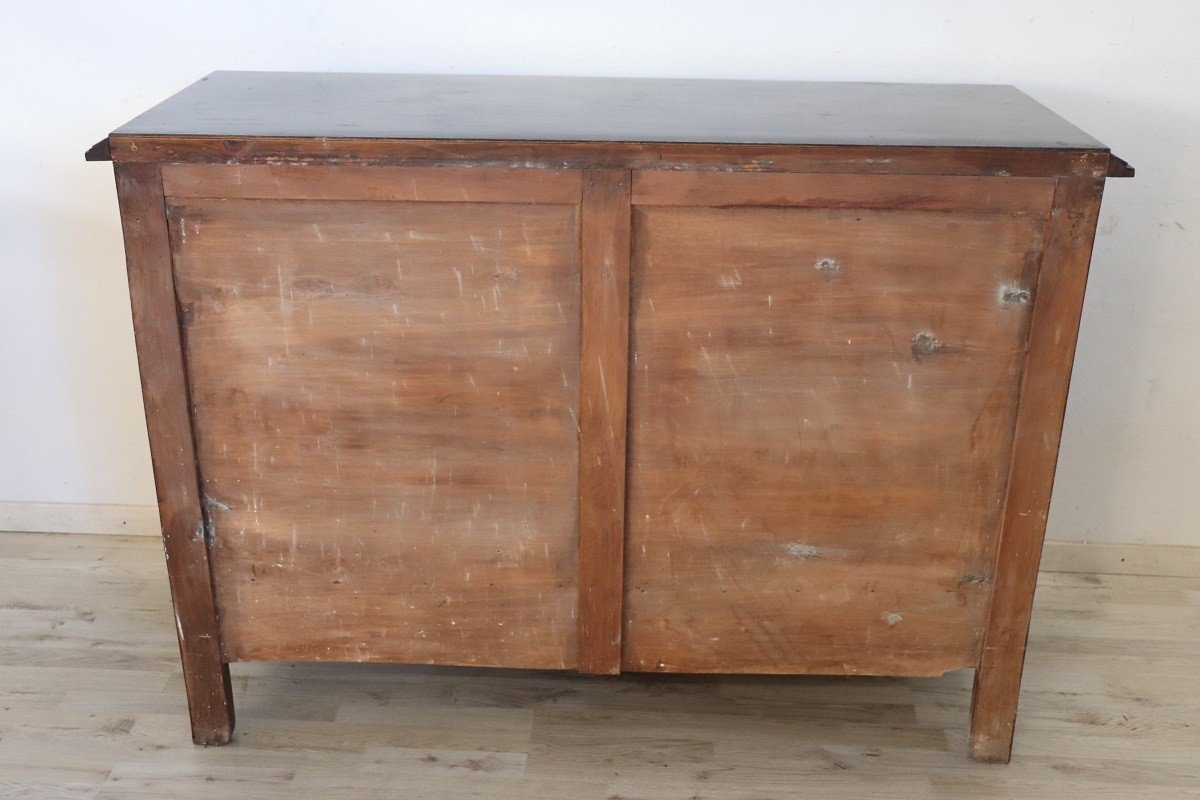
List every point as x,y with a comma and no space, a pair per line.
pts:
176,479
994,704
1058,302
210,703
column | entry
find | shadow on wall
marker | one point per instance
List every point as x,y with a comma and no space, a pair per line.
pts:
1128,401
106,419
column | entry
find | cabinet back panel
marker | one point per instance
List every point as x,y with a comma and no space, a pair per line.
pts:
385,399
821,414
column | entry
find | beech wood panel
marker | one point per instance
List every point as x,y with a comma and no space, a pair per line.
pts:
320,182
385,400
1043,403
604,371
924,192
818,455
845,275
164,392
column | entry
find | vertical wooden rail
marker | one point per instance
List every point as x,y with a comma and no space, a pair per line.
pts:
1054,329
603,396
176,480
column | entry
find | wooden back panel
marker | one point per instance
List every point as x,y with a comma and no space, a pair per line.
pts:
821,416
385,401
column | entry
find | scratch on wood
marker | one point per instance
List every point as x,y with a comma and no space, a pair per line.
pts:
212,502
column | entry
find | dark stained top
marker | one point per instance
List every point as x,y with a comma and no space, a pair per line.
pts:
360,105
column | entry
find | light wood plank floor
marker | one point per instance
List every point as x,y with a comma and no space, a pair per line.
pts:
92,706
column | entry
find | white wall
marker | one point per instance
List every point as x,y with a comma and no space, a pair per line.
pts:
71,427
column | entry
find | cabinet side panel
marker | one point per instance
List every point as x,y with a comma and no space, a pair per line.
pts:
822,403
164,392
386,398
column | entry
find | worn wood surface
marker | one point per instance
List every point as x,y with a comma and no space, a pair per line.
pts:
914,192
348,182
91,708
1043,401
164,392
604,371
408,378
385,399
822,404
876,160
507,107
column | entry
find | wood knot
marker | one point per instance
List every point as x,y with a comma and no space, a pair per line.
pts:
829,268
925,345
1014,295
801,550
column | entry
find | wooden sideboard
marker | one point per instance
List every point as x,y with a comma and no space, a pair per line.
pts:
605,375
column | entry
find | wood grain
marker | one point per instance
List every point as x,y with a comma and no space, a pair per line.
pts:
915,192
1043,401
604,371
385,397
346,182
165,394
995,161
326,106
602,374
817,452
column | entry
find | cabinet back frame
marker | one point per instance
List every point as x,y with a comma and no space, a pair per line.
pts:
606,198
